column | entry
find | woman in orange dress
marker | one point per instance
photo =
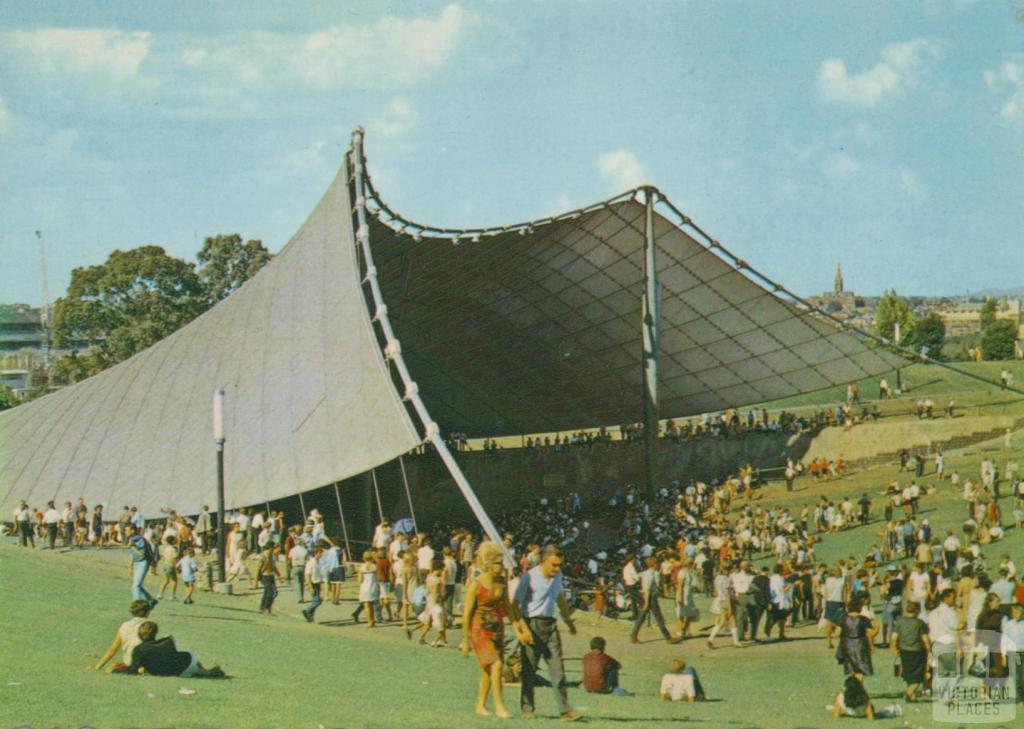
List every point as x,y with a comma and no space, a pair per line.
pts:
483,626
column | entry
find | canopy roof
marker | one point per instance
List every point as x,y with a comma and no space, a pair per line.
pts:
537,327
528,328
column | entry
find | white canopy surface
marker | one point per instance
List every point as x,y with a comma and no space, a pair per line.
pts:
309,399
527,328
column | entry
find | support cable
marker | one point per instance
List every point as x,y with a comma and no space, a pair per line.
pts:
408,495
905,352
393,352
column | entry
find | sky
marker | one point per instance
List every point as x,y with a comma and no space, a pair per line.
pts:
886,136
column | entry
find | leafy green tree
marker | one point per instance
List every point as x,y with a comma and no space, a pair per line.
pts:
123,306
225,263
893,309
998,339
7,398
929,332
988,313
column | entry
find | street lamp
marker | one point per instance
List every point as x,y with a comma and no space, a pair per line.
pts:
218,438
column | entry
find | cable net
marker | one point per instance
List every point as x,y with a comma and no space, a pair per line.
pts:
538,328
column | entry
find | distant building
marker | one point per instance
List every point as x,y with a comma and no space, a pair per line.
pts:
24,348
845,305
963,318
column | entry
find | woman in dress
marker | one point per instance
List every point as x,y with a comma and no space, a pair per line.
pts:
483,626
856,641
722,608
369,591
686,609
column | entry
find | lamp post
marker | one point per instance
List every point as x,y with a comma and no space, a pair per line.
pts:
218,438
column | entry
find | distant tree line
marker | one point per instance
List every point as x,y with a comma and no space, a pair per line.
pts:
928,334
140,296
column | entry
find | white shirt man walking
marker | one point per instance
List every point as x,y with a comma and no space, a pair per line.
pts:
538,593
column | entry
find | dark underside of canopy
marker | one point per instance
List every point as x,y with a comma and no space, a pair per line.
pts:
540,330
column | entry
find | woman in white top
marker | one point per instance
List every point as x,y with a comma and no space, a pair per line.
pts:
127,635
721,608
369,589
781,603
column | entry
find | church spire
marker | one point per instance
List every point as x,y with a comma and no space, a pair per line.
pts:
839,279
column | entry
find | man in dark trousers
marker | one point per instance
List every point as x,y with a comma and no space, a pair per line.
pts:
538,595
649,594
762,596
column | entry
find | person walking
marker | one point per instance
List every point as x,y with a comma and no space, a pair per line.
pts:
856,637
910,642
315,576
51,521
649,605
483,627
537,595
23,522
268,575
142,559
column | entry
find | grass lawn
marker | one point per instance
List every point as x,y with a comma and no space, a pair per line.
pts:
58,611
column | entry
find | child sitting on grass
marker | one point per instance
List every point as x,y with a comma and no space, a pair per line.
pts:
681,683
601,671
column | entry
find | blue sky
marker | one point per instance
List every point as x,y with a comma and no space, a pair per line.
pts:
889,136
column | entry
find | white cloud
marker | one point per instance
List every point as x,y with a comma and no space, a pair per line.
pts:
563,204
622,169
901,64
5,117
62,51
399,119
399,48
842,165
1008,81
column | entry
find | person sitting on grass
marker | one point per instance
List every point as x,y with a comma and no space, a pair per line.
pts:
681,683
127,635
601,671
162,658
853,700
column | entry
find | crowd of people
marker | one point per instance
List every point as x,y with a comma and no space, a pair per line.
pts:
695,539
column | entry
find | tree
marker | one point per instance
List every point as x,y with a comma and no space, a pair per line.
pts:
225,263
928,333
892,309
988,313
123,306
7,398
998,340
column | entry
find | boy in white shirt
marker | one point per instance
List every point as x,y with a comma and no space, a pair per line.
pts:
187,568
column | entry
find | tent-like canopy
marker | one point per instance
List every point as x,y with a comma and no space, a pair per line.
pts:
368,330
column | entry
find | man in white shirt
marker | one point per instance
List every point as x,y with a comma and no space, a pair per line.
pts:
255,527
297,567
424,558
537,596
650,593
631,583
23,523
741,579
51,520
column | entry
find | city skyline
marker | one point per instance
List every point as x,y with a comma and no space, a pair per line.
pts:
796,140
